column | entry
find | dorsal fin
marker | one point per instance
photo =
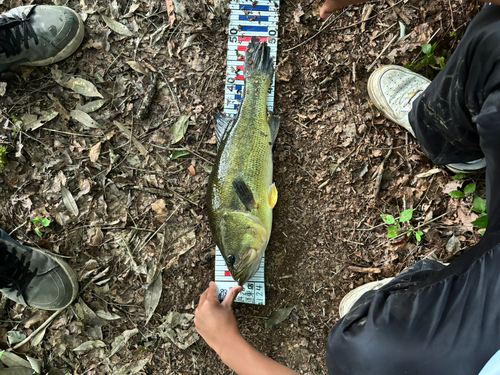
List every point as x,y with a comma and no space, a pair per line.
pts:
245,194
222,124
274,125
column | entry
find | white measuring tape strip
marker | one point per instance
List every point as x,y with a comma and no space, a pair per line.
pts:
247,19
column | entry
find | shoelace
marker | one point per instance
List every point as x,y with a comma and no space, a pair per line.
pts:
11,38
14,272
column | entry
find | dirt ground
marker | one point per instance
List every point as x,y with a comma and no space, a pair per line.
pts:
129,214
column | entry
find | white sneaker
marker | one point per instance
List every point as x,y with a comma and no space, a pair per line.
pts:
393,89
350,298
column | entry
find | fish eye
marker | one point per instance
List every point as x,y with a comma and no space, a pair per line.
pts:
231,259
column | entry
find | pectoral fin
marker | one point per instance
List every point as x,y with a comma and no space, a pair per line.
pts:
272,195
274,125
245,194
222,125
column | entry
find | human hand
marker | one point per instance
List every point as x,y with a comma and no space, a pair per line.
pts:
214,320
327,8
330,6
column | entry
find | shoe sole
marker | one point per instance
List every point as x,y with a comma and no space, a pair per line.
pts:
354,295
71,276
66,51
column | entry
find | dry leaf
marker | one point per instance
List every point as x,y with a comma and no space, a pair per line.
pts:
10,359
69,201
77,84
107,315
176,329
37,339
159,207
152,297
36,364
137,67
84,119
278,316
132,368
32,122
117,27
89,345
298,13
91,106
94,152
179,127
120,341
191,170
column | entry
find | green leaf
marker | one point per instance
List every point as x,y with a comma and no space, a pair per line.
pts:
479,205
392,231
456,194
426,48
470,188
35,220
406,215
177,154
453,33
388,219
45,222
458,176
481,221
1,352
441,62
37,231
408,234
481,231
418,235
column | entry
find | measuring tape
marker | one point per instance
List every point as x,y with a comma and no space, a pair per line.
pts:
247,19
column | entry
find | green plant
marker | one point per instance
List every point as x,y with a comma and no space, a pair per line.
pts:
3,157
478,204
394,224
429,59
468,189
44,222
479,207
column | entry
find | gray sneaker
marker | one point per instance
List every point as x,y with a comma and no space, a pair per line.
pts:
38,35
393,89
35,278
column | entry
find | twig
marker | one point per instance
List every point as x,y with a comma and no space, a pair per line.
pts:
364,269
421,225
35,332
343,27
172,93
319,32
380,172
381,53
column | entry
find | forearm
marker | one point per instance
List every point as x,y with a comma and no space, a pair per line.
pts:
244,359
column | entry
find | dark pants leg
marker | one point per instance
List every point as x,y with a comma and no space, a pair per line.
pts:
430,319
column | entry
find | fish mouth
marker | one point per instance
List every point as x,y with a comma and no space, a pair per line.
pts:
247,266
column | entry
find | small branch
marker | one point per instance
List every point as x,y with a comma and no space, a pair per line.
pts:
36,331
381,53
364,269
380,172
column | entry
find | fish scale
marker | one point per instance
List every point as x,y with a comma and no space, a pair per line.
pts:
247,19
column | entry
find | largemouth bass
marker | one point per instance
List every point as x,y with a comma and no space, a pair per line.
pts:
241,193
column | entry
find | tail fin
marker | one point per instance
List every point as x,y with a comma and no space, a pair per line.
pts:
258,60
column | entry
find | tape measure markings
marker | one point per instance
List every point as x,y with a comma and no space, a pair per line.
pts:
246,21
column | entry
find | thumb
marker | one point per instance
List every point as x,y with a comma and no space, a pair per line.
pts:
231,295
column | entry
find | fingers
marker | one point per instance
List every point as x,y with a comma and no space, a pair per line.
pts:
231,295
